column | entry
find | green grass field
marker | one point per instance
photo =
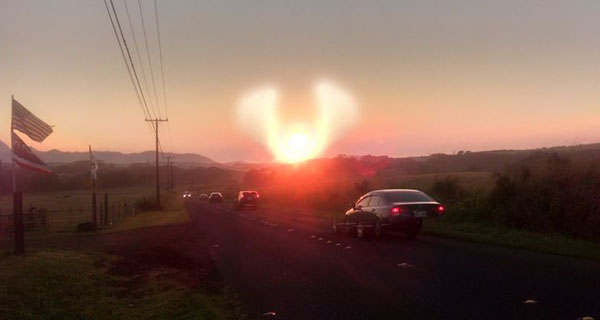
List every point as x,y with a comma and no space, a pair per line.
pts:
76,199
151,219
66,209
542,242
425,181
53,284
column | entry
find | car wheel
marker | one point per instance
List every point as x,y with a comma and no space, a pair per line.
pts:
334,226
361,231
377,229
412,233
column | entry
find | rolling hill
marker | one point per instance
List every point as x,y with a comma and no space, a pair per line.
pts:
56,156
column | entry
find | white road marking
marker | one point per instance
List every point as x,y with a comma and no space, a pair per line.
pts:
405,265
530,301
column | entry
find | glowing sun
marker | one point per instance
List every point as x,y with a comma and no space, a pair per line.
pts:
335,113
298,148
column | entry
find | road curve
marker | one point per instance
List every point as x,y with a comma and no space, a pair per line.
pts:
290,264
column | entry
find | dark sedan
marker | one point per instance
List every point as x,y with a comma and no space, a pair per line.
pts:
400,210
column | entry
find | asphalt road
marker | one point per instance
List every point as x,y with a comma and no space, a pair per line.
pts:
289,263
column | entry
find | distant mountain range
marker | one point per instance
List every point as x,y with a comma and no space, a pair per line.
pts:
56,156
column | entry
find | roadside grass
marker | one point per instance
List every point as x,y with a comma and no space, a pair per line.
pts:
169,216
151,219
54,284
496,235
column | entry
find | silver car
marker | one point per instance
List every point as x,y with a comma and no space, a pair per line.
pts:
400,210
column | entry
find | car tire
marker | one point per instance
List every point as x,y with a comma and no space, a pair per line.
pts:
378,229
361,231
412,233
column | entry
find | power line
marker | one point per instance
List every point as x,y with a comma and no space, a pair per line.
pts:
149,59
124,58
133,74
162,72
135,88
137,80
138,54
160,55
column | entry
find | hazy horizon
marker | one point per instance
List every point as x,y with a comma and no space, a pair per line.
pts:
428,77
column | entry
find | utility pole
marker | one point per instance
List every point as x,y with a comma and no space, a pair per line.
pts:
156,122
172,179
169,173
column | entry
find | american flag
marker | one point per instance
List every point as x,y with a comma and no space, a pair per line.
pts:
94,164
28,123
25,158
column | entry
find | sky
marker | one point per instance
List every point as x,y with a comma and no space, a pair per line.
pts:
427,76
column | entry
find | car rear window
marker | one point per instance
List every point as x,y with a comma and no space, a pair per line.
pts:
407,196
248,194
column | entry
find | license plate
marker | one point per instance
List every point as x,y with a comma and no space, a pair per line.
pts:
420,214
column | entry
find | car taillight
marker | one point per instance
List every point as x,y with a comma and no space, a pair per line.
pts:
440,209
396,211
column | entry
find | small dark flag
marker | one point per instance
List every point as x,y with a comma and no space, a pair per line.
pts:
24,157
94,164
26,122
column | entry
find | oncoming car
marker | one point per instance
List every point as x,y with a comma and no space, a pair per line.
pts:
215,197
379,211
203,196
247,199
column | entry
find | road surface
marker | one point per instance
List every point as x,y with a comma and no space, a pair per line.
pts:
290,264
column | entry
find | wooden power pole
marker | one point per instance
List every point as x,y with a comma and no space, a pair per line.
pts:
156,122
169,173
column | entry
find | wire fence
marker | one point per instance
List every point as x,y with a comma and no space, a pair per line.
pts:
70,218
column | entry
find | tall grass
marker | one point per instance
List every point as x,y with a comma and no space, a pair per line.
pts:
551,196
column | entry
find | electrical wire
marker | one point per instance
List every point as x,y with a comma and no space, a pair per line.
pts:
129,56
162,73
138,54
129,71
149,59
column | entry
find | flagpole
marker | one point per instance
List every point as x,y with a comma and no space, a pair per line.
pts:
12,149
24,121
93,189
17,197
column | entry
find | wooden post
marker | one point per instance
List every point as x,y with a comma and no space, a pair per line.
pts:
18,222
94,212
106,208
156,122
172,179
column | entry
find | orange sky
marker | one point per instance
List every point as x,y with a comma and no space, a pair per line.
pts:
429,77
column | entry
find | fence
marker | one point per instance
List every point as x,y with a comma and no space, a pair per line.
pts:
68,219
32,221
